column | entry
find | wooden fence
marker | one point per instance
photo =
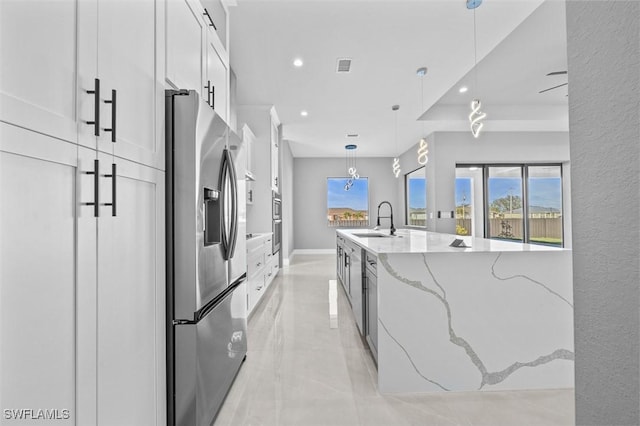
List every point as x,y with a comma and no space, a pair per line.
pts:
348,223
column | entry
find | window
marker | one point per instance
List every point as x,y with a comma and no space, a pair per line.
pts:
504,192
544,207
520,202
347,208
468,190
416,197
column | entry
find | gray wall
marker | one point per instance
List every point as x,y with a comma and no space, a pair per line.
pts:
604,98
310,196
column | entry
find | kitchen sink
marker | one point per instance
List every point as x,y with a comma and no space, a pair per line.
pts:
373,235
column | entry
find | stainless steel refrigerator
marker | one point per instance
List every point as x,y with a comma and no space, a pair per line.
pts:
206,268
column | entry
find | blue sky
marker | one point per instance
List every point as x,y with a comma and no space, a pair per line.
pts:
417,193
356,198
544,192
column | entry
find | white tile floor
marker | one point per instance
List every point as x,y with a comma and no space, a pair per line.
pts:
301,371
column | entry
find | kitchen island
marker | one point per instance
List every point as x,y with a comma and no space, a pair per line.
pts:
493,316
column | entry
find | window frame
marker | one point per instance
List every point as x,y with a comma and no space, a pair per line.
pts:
368,220
524,176
406,199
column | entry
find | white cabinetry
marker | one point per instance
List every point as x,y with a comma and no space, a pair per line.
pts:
196,58
116,47
38,265
275,152
265,125
93,287
91,284
131,296
248,139
262,268
38,57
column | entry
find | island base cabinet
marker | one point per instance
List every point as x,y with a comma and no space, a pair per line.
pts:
371,304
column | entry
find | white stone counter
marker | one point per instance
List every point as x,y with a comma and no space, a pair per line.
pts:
496,316
414,241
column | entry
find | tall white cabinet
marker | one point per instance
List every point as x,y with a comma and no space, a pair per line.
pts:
82,309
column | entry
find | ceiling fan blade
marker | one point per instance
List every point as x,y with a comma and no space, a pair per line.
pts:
557,73
554,87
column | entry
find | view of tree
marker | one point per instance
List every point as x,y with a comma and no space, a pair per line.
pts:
506,204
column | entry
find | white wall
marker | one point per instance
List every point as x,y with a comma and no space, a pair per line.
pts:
604,110
310,196
286,193
446,149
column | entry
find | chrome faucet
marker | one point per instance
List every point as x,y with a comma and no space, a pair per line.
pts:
392,230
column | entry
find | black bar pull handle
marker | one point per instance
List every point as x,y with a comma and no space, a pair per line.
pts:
96,107
211,24
96,188
113,116
208,87
113,176
213,97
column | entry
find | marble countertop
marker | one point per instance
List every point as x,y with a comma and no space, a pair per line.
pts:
416,241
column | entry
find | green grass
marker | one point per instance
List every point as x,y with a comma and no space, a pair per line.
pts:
546,240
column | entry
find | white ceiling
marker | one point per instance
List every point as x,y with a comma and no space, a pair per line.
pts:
387,42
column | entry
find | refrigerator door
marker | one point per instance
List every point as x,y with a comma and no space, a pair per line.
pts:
208,356
196,143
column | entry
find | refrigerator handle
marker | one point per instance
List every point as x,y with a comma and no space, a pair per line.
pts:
234,205
224,175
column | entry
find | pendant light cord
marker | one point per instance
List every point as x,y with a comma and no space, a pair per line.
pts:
475,53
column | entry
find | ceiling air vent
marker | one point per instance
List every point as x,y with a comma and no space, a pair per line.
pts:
352,135
344,65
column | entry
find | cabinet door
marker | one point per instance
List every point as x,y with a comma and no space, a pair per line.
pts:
217,77
274,156
131,342
372,311
185,38
38,279
127,64
38,57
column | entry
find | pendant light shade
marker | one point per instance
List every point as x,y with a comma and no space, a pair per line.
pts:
423,147
476,116
352,171
395,166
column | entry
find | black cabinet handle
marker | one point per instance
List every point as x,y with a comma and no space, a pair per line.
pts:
211,24
113,189
96,188
96,107
113,116
211,94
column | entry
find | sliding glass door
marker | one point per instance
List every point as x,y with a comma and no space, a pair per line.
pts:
514,202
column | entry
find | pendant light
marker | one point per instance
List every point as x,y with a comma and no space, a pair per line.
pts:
396,161
476,116
350,158
423,148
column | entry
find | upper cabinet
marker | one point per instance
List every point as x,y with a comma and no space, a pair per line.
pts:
248,139
196,58
275,151
216,17
38,56
89,76
119,90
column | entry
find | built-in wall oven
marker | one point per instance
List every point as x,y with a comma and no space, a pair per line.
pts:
277,222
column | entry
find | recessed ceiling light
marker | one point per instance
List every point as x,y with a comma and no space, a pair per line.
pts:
297,62
463,89
304,113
